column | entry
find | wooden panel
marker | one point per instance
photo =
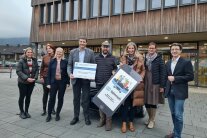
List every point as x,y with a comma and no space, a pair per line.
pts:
64,31
48,32
114,29
103,27
154,22
201,22
82,29
92,28
41,36
127,25
35,25
186,19
73,31
56,32
169,21
140,24
38,2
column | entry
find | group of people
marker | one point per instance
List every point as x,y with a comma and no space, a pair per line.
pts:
56,73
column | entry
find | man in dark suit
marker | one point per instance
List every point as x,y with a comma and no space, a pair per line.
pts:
179,72
84,55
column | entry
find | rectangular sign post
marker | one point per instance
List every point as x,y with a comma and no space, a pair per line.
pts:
116,90
84,70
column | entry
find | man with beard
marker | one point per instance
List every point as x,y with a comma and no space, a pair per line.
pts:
106,64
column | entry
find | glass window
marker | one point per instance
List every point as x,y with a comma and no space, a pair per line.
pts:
57,12
140,5
43,14
66,10
128,5
50,13
186,1
168,3
75,10
202,0
83,9
155,4
104,7
94,8
116,6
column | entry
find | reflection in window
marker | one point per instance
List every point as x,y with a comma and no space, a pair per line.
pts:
43,14
116,6
186,1
66,11
140,5
105,7
57,12
169,3
155,4
75,10
128,6
50,13
94,8
83,9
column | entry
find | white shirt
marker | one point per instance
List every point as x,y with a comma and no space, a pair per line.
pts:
173,64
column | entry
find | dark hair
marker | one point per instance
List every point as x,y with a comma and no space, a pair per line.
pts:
83,38
176,44
51,46
152,43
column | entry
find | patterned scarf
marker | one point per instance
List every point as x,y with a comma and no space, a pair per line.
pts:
150,58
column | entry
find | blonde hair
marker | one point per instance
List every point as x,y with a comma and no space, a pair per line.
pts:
59,49
25,51
136,53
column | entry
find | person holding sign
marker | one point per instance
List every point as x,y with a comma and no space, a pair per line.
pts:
82,55
106,64
134,59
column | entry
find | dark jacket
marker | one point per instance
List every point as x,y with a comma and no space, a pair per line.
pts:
158,71
183,73
105,66
52,71
44,66
23,70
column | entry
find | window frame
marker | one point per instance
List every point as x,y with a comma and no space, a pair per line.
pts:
113,7
57,12
92,9
199,1
191,3
64,7
158,8
171,6
124,1
73,9
136,9
50,13
81,10
101,9
43,17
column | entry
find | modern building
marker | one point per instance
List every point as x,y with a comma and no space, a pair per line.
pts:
62,22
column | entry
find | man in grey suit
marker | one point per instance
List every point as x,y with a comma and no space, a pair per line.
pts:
84,55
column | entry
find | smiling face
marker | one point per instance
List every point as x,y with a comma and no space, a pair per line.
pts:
152,49
82,43
175,51
131,50
105,49
29,53
59,53
49,49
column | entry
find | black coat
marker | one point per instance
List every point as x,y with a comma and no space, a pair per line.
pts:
183,73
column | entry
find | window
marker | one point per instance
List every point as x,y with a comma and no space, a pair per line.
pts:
183,2
66,10
50,13
43,14
75,10
57,12
170,3
83,9
200,1
104,7
117,6
140,5
155,4
128,5
94,8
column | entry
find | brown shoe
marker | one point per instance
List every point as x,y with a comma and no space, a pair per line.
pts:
108,126
171,135
102,119
124,127
131,127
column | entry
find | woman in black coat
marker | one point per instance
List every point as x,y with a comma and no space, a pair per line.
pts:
27,71
57,81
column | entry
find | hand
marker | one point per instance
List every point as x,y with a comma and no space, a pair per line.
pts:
30,80
48,86
71,76
161,90
171,78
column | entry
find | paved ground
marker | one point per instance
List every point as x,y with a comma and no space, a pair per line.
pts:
11,126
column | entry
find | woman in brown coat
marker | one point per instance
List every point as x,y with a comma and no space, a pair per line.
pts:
132,58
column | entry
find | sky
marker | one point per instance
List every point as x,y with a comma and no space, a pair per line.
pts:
15,18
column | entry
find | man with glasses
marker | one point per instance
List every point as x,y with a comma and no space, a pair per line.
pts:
106,64
179,73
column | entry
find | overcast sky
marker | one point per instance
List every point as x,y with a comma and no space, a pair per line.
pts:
15,18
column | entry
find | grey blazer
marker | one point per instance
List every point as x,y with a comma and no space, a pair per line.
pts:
74,57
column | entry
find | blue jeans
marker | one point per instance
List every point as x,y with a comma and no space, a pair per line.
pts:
177,109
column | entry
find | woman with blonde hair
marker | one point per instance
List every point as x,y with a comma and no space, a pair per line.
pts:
135,60
57,79
27,71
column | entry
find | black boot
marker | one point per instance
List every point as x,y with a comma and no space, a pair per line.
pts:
22,115
48,118
53,111
57,118
43,113
27,115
